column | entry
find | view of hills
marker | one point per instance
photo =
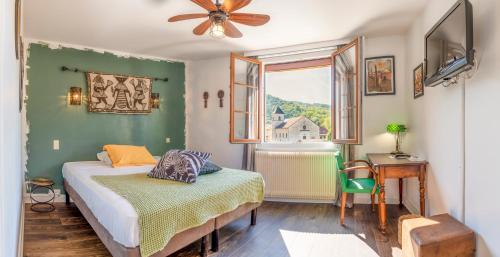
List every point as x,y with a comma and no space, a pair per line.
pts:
318,113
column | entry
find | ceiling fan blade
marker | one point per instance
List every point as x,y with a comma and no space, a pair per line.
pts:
231,31
233,5
202,28
206,4
187,17
249,18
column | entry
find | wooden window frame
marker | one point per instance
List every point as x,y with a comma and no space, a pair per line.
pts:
232,83
357,140
298,65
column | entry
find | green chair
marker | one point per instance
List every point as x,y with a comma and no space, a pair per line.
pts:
355,185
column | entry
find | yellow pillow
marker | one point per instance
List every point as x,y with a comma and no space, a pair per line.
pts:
128,155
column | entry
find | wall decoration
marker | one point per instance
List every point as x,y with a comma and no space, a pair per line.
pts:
21,76
418,81
380,76
220,94
205,98
17,28
109,93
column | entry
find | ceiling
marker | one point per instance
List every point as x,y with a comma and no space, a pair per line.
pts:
141,27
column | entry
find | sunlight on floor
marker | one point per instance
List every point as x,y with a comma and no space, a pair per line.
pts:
303,244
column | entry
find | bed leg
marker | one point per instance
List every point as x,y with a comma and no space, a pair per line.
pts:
253,217
204,246
215,240
67,198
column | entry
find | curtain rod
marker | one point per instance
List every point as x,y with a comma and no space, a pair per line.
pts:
65,68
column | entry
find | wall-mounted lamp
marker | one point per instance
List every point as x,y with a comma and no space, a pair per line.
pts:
75,96
155,100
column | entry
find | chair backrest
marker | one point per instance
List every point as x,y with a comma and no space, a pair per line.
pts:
340,169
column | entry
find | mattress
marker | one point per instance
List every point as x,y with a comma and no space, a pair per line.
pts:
111,210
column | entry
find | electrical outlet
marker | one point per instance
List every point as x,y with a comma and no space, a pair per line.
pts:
167,140
55,144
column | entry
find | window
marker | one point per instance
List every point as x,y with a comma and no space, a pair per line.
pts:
298,101
245,106
302,101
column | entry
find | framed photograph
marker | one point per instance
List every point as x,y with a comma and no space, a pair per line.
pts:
17,29
418,81
380,76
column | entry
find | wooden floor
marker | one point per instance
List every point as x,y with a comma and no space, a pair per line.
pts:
283,229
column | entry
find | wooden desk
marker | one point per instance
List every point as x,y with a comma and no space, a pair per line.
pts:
387,167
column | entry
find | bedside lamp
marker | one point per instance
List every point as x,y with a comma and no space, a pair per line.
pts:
396,130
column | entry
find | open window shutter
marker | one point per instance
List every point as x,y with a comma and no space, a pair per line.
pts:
346,94
246,96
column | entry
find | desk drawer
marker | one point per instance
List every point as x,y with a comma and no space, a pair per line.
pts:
404,171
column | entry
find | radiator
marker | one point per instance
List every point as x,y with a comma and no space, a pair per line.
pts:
297,175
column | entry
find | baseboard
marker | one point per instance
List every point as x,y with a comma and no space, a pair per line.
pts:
288,200
365,199
411,207
359,199
45,197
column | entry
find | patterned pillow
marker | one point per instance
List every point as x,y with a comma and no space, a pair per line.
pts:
209,168
178,165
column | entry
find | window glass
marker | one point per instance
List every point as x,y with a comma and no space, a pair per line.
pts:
298,105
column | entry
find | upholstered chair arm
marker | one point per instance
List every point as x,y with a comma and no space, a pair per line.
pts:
349,163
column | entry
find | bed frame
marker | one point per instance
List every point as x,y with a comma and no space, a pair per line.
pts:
177,242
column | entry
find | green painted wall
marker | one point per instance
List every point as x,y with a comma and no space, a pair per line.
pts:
82,134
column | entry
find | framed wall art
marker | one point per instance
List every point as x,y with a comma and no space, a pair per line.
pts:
380,76
108,93
418,81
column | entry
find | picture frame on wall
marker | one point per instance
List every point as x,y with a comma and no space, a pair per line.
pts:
418,81
21,75
380,76
17,28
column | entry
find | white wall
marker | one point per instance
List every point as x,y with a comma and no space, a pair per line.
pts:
380,110
208,129
456,128
10,139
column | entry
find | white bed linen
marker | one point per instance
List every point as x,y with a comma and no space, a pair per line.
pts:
111,210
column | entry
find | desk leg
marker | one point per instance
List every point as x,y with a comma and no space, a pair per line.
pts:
421,180
383,214
400,192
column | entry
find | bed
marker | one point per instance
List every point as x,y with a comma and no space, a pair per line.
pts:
115,220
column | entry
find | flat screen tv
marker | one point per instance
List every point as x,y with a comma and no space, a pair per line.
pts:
448,45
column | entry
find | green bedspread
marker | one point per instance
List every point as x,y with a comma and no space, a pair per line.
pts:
166,207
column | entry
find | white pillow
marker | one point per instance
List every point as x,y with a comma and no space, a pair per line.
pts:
104,157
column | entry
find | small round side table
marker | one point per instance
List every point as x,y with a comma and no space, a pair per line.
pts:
40,185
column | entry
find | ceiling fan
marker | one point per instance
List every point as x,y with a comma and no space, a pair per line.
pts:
220,18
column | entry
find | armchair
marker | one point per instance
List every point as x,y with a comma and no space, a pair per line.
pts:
355,185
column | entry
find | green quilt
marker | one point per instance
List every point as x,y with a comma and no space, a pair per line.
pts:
167,207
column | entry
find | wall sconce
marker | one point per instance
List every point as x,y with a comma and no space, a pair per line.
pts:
75,96
155,100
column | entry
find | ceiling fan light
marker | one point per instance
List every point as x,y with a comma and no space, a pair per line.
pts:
217,30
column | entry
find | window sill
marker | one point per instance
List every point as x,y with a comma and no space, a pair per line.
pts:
298,147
